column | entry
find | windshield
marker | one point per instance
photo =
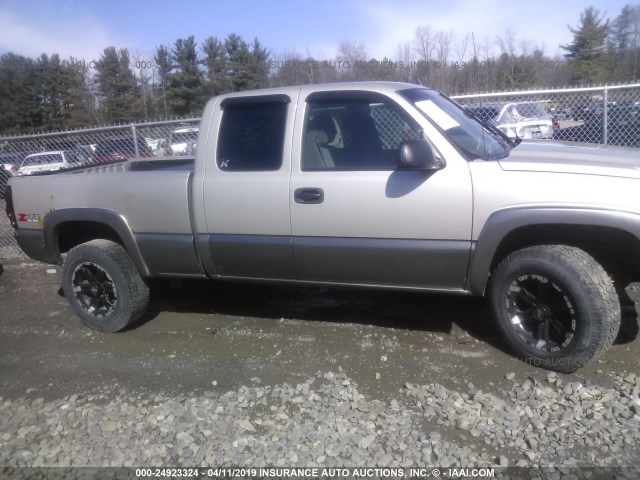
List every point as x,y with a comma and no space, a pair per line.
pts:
116,146
42,160
484,113
517,112
472,138
184,137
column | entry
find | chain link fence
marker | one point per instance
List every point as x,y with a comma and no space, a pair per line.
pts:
77,149
91,146
595,115
8,247
391,127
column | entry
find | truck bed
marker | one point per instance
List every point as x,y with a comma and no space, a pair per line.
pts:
136,165
147,198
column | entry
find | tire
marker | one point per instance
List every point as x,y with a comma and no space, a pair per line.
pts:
555,306
103,286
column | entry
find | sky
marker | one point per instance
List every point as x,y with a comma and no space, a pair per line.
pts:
83,28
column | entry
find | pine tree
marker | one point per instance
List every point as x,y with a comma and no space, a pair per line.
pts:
586,54
19,100
77,98
624,43
42,95
57,92
259,66
215,62
117,86
185,94
239,60
164,66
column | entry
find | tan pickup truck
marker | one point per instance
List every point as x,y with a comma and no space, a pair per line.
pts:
376,185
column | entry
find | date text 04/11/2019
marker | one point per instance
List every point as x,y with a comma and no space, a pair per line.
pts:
281,472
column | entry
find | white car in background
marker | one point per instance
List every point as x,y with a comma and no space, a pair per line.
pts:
46,162
524,120
183,141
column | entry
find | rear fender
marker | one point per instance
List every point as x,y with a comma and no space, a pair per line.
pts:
114,220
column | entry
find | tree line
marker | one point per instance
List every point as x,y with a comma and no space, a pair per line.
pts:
50,93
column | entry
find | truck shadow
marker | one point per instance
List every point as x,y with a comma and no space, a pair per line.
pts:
389,309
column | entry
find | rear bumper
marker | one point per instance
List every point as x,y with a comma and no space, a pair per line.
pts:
33,244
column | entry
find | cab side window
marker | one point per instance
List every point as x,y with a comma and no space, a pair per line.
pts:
251,136
354,134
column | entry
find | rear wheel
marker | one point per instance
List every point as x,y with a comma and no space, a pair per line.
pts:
555,306
103,286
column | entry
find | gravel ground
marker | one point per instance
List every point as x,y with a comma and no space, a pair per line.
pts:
327,422
207,381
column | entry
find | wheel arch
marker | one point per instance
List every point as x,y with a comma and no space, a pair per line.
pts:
592,230
67,228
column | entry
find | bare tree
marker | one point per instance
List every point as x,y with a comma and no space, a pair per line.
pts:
443,44
350,55
443,41
290,69
424,44
507,46
458,76
405,56
142,68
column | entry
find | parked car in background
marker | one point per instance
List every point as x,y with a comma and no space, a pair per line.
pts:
84,153
47,162
622,125
589,112
524,120
159,146
183,139
562,113
619,109
622,131
5,175
622,112
112,149
11,161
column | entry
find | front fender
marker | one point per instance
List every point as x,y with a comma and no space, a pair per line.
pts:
503,222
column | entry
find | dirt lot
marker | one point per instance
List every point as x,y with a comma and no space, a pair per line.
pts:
204,338
200,332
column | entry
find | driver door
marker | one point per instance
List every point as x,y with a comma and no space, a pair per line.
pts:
356,218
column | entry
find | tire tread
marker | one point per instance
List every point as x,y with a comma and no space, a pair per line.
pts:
136,290
591,276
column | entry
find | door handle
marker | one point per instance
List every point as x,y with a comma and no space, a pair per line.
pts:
308,195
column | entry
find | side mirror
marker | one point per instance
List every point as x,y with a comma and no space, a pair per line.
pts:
418,155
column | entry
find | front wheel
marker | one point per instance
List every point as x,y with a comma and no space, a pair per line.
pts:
103,286
555,306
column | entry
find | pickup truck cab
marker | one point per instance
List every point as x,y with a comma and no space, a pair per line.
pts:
375,184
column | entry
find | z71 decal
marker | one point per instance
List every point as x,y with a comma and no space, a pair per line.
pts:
28,217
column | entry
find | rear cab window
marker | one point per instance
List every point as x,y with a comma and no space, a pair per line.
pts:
252,132
42,159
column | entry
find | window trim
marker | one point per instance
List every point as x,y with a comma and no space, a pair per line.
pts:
254,99
342,95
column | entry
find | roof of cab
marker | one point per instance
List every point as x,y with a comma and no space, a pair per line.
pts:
295,90
53,152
